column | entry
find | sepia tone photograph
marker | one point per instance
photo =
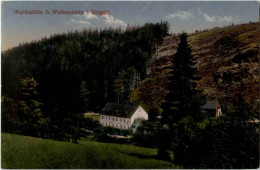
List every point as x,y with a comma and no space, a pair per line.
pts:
130,85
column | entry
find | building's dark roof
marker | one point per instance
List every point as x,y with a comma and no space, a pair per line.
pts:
210,105
120,110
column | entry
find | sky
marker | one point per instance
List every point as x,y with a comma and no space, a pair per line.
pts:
182,16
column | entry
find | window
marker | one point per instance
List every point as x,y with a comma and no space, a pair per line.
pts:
120,120
116,119
109,118
113,118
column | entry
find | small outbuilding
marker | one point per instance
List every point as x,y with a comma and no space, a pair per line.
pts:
121,116
212,109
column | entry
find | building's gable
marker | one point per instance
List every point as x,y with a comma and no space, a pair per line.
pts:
140,113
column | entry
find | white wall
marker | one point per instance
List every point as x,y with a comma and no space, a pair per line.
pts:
219,112
121,122
117,122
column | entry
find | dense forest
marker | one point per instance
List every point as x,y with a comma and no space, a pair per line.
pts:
53,80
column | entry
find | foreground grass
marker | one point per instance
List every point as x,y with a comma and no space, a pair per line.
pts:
28,152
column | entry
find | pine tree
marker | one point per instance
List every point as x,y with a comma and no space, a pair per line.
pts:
181,107
183,99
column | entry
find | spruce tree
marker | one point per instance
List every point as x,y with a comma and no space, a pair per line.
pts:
183,99
181,107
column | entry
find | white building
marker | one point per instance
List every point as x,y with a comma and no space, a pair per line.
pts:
121,116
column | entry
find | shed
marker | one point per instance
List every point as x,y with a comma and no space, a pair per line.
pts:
212,109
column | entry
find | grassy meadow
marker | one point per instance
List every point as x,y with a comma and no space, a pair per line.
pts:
94,117
29,152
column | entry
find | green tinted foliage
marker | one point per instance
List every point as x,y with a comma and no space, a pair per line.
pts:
124,85
181,107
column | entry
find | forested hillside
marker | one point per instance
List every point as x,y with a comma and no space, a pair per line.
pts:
53,80
227,61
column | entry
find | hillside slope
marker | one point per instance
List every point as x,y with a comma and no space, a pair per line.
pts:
25,152
227,60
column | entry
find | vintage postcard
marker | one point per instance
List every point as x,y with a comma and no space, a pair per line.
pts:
129,85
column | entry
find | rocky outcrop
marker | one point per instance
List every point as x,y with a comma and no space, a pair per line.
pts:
227,61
